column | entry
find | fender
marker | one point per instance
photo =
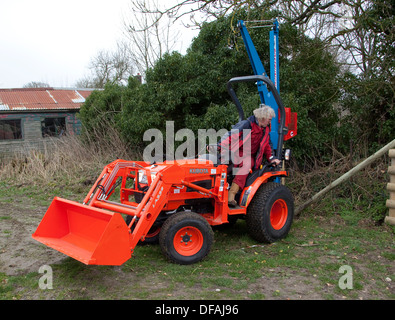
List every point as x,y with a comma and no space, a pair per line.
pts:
249,192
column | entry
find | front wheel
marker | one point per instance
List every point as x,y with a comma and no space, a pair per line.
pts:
270,213
186,238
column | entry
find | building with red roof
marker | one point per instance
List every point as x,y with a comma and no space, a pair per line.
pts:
29,116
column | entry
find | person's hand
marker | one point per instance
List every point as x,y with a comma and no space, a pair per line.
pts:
275,162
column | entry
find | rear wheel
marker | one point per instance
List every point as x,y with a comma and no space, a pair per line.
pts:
270,213
186,238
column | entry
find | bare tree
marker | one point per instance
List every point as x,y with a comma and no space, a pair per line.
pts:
199,11
147,40
150,35
339,24
150,30
109,66
34,84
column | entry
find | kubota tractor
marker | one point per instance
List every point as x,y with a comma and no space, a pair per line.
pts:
175,202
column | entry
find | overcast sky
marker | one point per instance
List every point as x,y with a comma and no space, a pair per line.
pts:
52,41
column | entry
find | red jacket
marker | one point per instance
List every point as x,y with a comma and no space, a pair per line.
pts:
247,138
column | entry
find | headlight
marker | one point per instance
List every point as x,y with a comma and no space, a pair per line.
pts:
287,154
143,177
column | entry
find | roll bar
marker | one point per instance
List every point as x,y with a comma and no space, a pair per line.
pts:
282,130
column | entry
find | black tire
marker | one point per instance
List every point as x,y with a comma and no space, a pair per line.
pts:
186,238
270,213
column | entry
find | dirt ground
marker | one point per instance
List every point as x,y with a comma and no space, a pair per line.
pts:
20,255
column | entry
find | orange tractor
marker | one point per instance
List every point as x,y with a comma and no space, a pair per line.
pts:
173,202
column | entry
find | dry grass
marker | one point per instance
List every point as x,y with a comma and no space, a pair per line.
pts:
67,158
363,193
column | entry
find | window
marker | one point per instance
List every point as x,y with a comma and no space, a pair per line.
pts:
10,129
53,127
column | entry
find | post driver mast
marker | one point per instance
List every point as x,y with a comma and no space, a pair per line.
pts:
265,95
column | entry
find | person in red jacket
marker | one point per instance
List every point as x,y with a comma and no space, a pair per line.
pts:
248,143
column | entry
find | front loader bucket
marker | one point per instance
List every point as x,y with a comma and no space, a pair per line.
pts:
87,234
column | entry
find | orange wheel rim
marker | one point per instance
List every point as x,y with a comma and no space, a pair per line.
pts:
188,241
278,214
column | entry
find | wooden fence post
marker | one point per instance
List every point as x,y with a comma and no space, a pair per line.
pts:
391,188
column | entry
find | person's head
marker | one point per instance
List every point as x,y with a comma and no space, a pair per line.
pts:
264,115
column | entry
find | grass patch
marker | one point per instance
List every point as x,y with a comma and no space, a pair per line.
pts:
237,268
